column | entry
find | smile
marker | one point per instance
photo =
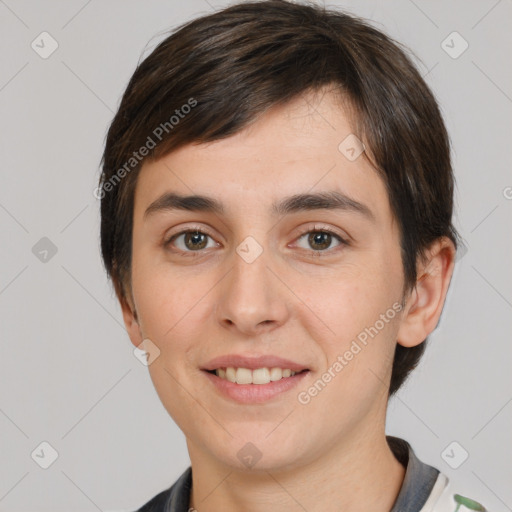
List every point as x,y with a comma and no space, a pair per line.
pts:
255,376
253,386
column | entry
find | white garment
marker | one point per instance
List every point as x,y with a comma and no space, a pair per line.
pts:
444,499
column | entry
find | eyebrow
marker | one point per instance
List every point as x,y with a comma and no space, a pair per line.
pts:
329,200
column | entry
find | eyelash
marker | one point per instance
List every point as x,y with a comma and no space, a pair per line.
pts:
316,229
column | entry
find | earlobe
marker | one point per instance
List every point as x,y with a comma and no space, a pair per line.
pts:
425,302
131,321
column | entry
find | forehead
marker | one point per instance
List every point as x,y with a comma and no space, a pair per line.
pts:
294,148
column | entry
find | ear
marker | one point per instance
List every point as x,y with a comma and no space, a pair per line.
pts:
130,318
425,302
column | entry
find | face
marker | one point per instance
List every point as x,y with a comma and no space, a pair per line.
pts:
292,263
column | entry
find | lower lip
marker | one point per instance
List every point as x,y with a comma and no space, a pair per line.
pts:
254,393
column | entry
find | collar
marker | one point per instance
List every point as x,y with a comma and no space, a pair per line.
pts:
419,479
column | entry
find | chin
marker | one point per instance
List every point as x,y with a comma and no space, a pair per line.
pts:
261,462
255,450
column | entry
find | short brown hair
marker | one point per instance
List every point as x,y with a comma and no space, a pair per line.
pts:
235,64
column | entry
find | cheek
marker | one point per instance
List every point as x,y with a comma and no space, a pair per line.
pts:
357,350
163,305
173,312
173,307
348,302
359,313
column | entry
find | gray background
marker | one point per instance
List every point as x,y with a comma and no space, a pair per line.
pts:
68,373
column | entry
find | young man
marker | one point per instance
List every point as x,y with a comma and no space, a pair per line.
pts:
276,219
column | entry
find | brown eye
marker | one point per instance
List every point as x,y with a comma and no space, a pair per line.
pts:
190,241
195,240
321,240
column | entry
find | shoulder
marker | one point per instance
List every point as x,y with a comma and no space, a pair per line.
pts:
445,497
426,489
174,499
157,503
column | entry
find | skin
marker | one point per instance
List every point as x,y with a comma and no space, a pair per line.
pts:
331,453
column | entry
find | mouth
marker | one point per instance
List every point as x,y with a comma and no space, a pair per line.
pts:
254,386
251,378
258,376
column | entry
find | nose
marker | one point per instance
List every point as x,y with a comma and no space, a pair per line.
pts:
252,299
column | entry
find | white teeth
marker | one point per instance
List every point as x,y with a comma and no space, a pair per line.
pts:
230,374
276,374
257,376
261,376
243,376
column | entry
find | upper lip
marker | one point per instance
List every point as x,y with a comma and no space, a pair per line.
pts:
252,362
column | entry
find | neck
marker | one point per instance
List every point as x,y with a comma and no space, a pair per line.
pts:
358,474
